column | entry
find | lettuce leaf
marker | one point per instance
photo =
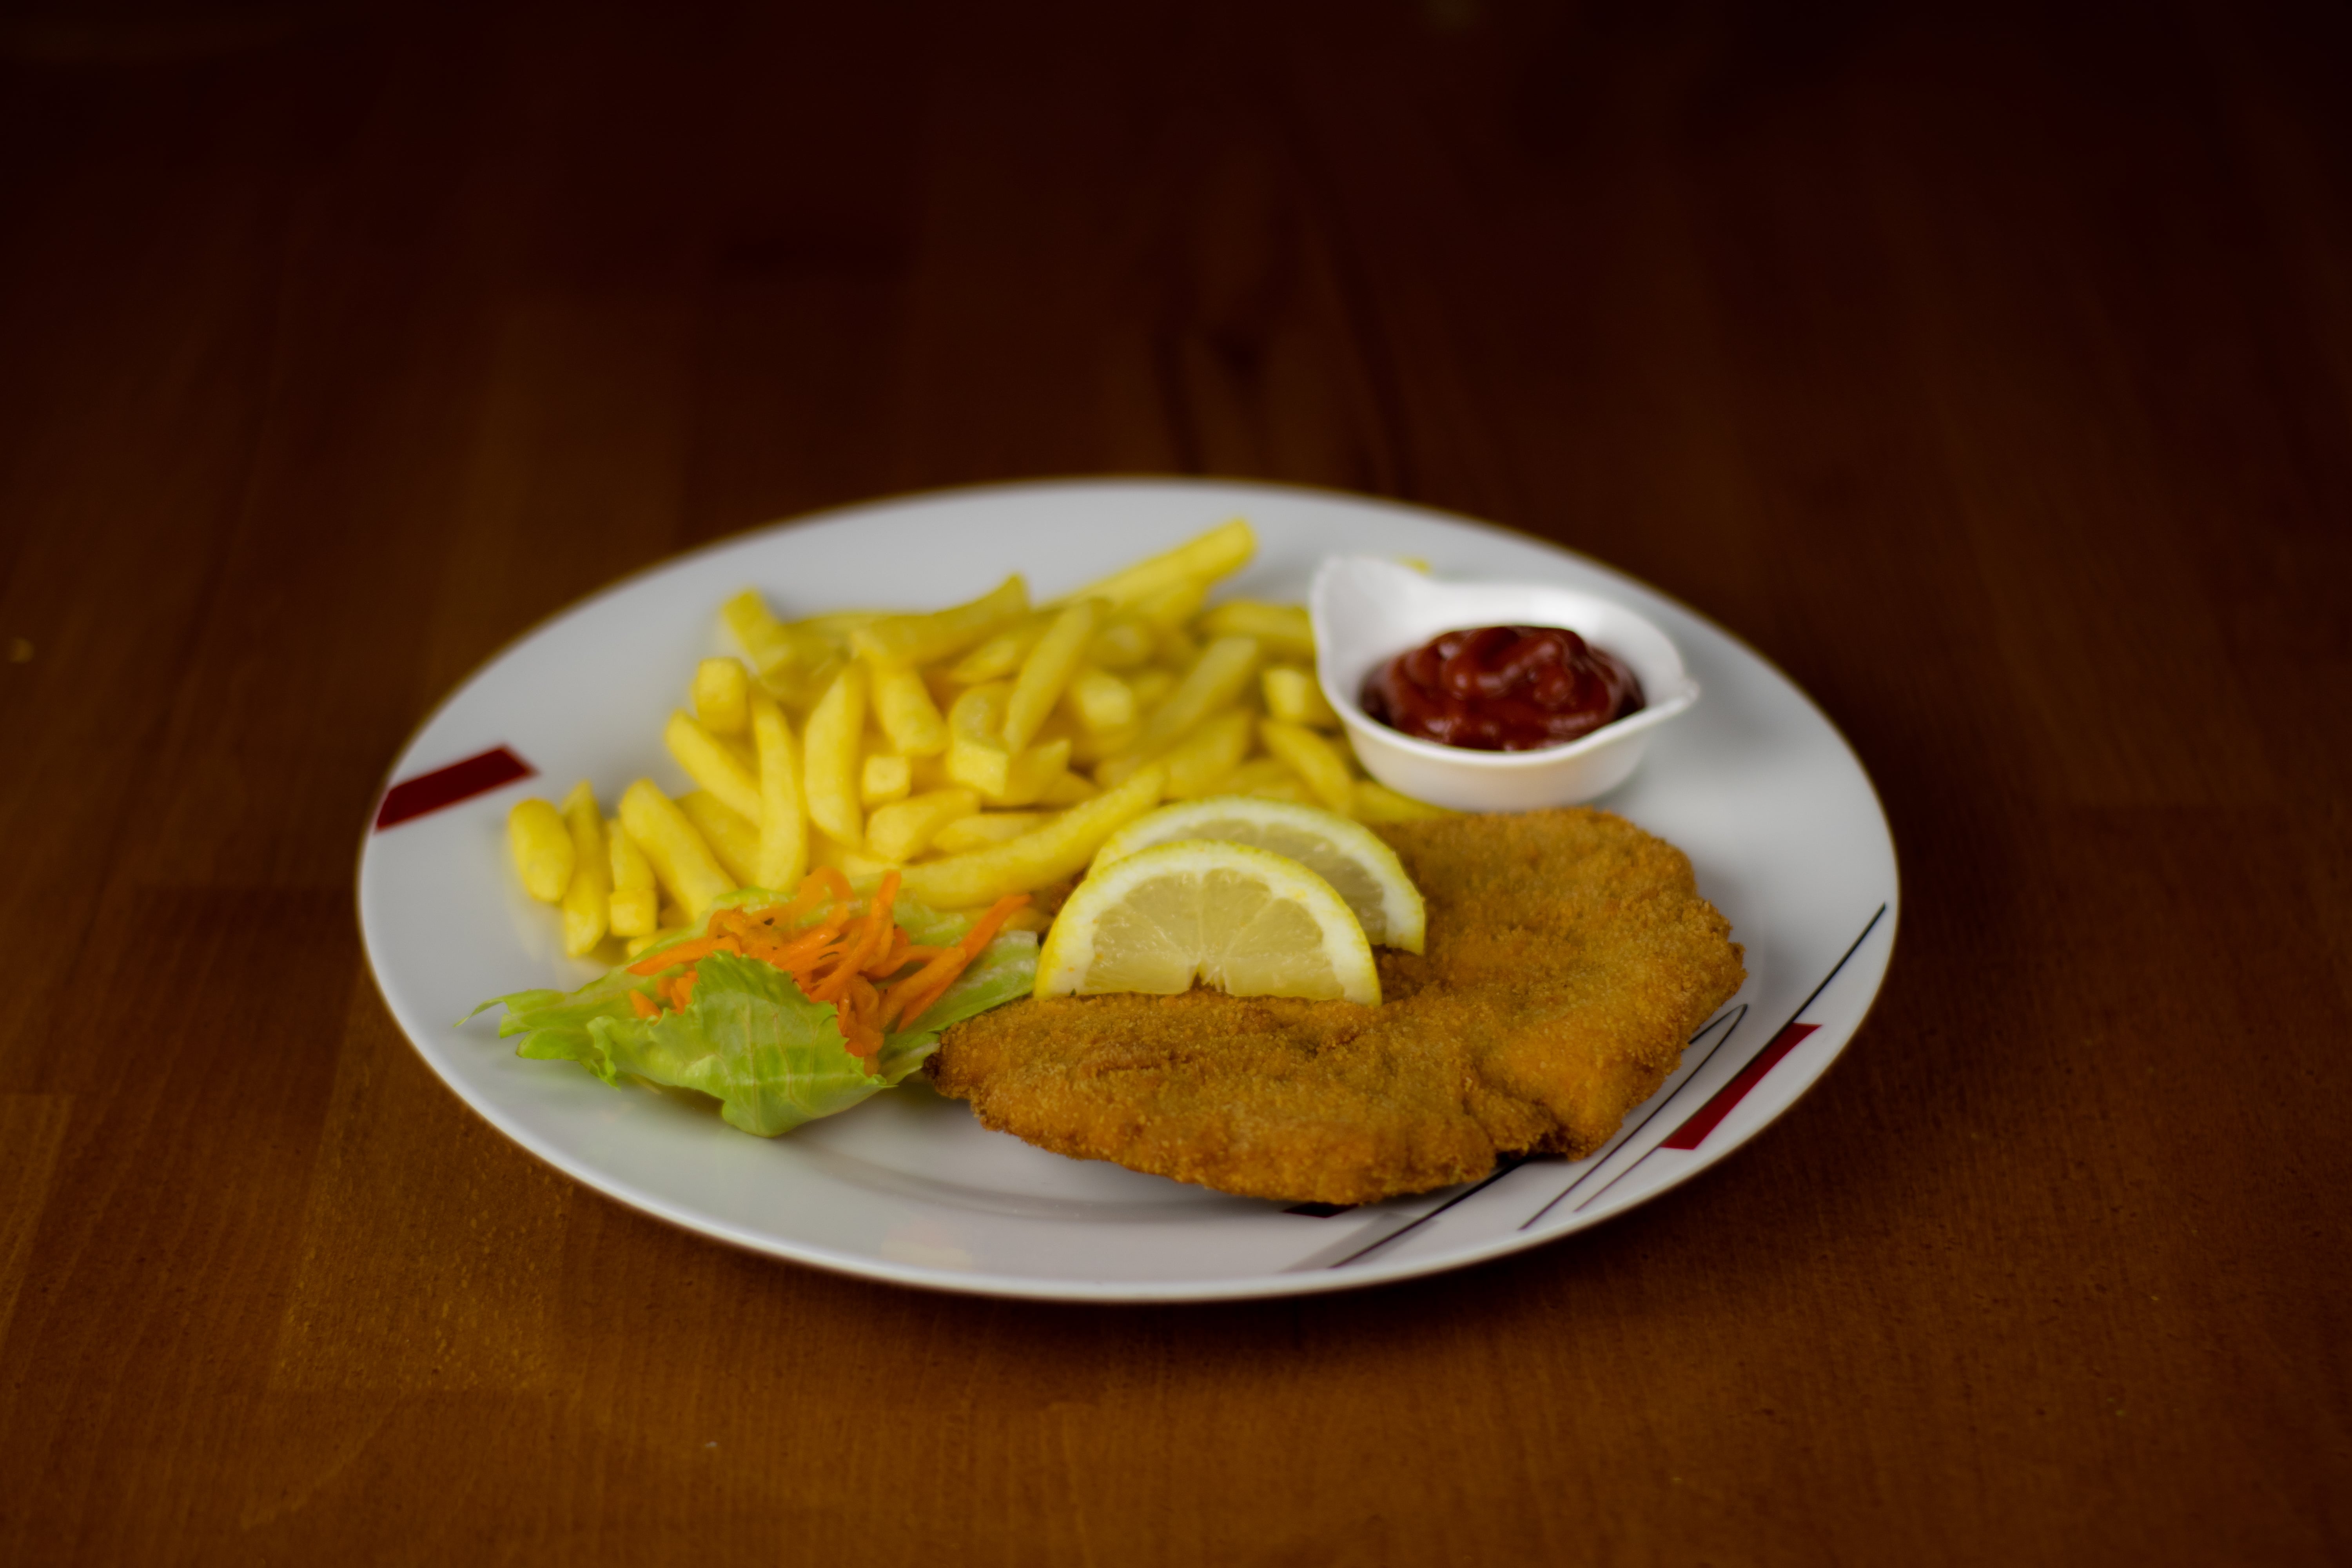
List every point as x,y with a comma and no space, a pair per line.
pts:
771,1057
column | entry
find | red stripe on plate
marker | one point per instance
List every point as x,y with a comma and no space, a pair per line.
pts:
447,786
1692,1133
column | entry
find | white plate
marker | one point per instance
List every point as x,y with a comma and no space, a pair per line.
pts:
1772,807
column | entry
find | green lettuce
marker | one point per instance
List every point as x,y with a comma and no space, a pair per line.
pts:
750,1040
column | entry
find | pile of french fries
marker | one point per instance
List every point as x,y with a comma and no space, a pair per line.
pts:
983,749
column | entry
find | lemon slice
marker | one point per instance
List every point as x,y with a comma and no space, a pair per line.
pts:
1245,920
1361,869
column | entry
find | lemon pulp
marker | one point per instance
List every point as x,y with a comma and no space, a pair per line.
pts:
1365,872
1239,919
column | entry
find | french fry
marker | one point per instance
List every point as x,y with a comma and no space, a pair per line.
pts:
1269,777
1151,687
913,640
1046,671
722,695
978,757
710,763
1219,676
1100,702
1069,788
1197,764
829,758
1060,848
1002,654
988,827
756,628
1285,629
1375,802
1124,642
836,625
1290,786
883,778
733,837
1292,695
1033,771
1256,772
1177,648
794,663
683,864
1315,759
904,829
927,773
853,864
904,708
1086,751
587,902
783,818
635,905
1222,550
1167,609
543,848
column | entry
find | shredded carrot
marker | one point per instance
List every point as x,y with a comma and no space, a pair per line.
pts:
846,957
802,952
935,975
687,952
866,940
911,998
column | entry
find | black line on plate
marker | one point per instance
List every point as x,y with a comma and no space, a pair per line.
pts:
1503,1167
1776,1034
1736,1015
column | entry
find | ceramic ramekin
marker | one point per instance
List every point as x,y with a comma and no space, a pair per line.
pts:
1367,611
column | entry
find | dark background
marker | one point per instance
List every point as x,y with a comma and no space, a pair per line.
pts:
1988,368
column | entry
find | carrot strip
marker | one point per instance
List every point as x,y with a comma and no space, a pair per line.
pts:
940,970
643,1005
912,997
805,949
984,930
686,952
867,939
861,939
918,1002
894,954
856,1013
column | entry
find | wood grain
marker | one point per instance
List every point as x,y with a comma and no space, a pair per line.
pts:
1989,370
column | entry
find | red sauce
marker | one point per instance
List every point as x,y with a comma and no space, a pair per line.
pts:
1502,688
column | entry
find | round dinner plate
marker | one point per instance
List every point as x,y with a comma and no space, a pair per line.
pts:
1754,784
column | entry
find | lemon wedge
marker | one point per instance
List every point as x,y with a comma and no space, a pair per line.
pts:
1245,920
1362,870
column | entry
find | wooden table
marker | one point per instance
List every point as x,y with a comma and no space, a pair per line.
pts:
1991,373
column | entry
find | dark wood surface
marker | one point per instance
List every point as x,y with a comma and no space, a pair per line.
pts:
1989,370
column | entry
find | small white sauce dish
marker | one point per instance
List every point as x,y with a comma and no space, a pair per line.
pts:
1367,611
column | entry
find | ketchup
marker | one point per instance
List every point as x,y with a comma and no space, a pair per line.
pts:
1502,688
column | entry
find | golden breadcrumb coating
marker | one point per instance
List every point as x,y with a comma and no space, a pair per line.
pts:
1570,959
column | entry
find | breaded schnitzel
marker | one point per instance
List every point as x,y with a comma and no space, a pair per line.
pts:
1570,957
